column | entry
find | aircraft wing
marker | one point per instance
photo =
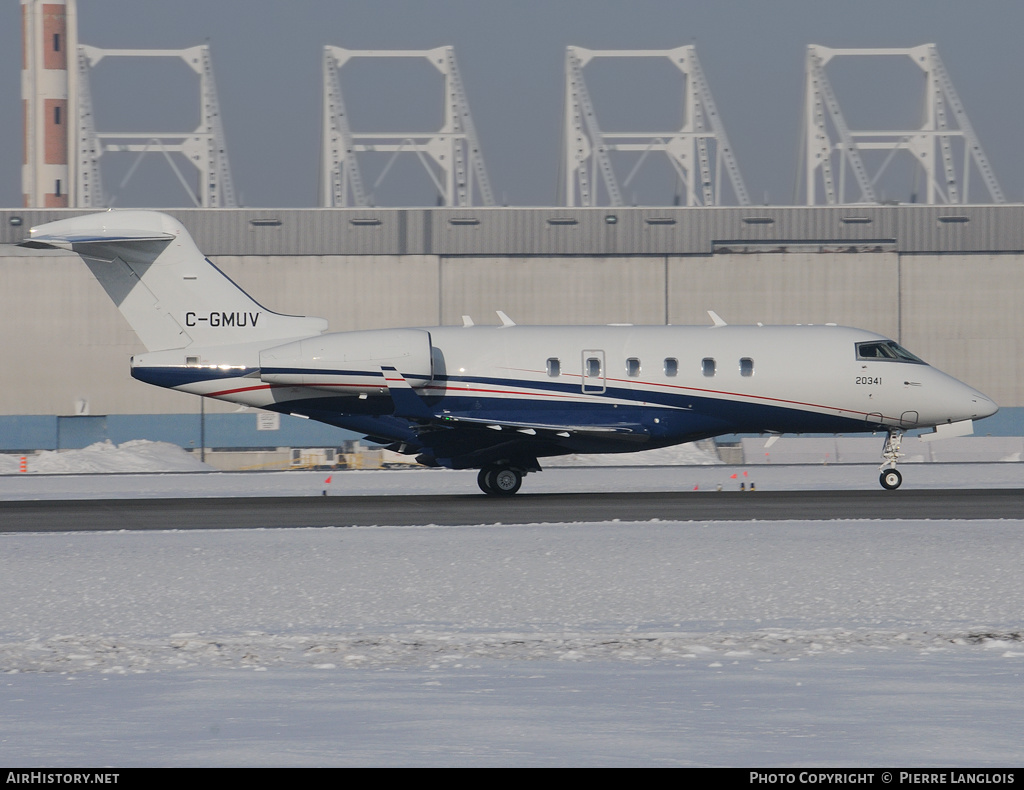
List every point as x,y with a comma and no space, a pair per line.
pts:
411,406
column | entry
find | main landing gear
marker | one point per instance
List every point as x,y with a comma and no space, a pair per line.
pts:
890,477
499,480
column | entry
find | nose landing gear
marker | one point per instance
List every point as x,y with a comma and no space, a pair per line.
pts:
890,478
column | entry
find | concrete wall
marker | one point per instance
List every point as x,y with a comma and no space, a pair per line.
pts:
850,450
792,288
352,292
547,290
962,313
64,342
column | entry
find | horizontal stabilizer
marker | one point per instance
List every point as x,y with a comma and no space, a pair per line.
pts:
68,241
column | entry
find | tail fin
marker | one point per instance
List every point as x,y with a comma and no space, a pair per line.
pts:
172,296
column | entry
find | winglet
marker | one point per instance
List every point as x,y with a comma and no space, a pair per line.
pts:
505,320
716,318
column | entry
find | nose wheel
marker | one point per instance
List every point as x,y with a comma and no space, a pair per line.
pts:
890,478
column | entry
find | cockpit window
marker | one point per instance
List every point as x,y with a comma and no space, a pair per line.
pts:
886,350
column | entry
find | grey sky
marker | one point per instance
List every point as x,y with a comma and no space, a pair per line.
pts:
267,53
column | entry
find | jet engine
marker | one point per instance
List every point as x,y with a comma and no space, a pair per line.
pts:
349,362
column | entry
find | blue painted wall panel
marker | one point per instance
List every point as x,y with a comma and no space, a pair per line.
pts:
22,432
222,431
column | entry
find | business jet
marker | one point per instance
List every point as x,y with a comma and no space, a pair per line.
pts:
501,398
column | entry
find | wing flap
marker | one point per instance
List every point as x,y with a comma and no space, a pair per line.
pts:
556,428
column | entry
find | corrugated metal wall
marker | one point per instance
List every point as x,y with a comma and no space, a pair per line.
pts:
599,231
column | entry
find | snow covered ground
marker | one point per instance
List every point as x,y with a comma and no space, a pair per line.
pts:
155,469
768,643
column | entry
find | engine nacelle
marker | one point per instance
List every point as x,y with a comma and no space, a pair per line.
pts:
349,363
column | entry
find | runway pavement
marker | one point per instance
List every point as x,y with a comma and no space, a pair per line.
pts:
282,512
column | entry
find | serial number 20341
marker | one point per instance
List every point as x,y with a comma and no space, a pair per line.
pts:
869,379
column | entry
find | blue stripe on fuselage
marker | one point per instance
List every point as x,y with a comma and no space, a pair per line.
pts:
681,413
172,376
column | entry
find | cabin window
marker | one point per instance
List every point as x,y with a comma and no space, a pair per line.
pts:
593,368
671,366
888,350
746,366
707,366
554,367
632,367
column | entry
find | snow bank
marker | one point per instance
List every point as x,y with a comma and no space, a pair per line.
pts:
679,455
134,456
145,456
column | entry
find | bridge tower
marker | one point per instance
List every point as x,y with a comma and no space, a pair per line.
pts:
450,155
205,147
699,151
833,154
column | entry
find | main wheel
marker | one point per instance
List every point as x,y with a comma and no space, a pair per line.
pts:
890,479
505,481
499,480
483,479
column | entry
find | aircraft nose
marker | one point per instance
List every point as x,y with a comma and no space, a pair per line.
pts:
982,405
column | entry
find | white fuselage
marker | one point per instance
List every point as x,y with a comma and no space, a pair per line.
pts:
665,384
